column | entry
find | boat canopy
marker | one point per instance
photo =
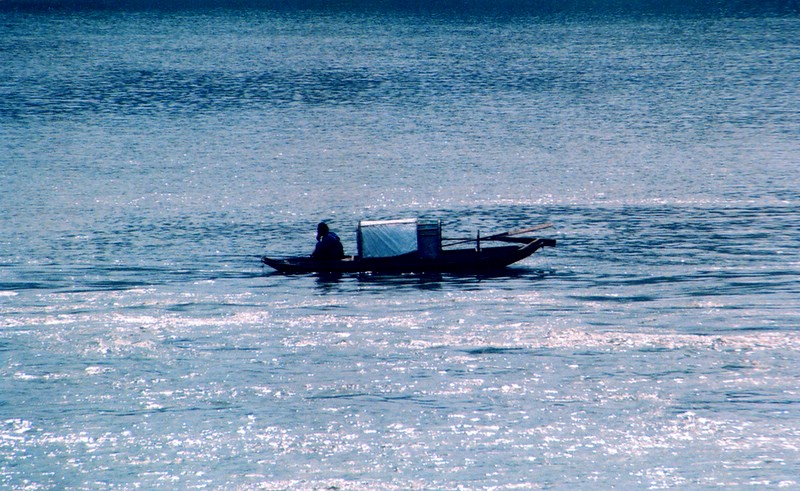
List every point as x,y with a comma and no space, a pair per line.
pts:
386,238
389,238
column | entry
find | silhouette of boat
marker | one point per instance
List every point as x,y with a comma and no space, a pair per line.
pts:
416,246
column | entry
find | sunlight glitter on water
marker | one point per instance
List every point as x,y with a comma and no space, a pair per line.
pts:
154,157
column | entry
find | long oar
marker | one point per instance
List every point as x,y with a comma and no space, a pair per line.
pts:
520,231
501,235
514,240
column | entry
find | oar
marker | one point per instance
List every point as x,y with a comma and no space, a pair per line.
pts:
518,232
502,235
514,240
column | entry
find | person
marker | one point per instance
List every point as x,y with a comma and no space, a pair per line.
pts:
328,244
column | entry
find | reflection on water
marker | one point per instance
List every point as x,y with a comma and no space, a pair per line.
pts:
148,159
381,283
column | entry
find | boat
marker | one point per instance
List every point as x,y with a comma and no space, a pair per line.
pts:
417,246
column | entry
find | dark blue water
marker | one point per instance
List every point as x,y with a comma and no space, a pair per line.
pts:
148,158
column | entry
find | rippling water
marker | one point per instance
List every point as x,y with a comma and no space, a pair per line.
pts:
148,158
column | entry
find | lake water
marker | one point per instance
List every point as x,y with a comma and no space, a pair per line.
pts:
147,159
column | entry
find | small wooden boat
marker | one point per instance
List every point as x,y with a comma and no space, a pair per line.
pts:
431,254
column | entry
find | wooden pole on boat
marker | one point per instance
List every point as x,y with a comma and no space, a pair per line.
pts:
501,235
521,231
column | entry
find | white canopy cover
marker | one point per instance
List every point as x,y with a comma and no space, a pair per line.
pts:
387,238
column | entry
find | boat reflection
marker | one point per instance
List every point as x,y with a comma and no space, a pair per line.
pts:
380,282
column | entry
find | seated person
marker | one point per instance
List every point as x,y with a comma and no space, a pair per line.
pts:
328,244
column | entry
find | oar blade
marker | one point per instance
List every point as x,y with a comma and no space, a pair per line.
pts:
521,231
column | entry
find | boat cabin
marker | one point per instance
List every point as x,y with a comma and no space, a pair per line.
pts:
391,238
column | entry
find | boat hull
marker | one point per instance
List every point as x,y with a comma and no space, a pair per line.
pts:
449,261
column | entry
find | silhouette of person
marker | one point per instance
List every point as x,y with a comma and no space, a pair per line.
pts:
328,244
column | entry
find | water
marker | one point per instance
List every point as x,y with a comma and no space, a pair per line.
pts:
147,158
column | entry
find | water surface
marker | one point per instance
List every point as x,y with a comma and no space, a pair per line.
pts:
147,158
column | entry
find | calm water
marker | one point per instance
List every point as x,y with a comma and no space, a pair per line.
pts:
148,158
